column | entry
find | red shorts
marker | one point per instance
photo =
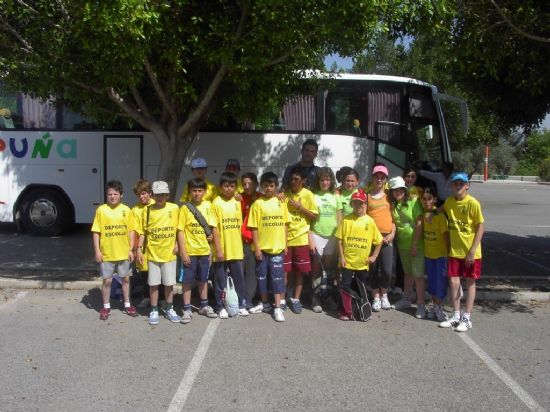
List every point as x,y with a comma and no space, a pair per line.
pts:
297,259
456,268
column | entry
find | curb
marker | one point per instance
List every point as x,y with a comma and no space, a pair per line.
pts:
481,295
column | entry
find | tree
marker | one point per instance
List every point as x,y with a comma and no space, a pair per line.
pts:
500,52
170,66
536,148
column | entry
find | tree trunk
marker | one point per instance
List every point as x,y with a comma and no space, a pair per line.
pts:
172,158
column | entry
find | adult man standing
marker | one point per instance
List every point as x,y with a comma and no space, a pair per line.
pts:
309,153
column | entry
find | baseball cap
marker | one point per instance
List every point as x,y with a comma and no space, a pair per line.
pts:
198,163
396,183
380,169
459,176
233,164
160,187
359,196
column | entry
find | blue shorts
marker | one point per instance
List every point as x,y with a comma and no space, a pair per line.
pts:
197,271
437,276
271,271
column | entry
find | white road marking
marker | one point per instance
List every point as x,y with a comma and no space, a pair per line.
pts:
19,295
180,397
503,376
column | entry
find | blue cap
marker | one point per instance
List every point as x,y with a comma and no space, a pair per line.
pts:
459,176
198,163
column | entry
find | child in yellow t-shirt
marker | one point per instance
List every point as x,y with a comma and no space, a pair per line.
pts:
194,250
302,209
227,213
268,221
142,190
159,224
113,236
434,229
199,169
356,234
465,233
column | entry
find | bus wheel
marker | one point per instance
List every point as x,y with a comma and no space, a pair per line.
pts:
44,212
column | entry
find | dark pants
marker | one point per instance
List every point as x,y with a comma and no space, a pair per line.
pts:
381,270
250,280
348,274
235,268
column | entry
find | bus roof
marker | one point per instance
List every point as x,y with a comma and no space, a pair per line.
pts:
360,76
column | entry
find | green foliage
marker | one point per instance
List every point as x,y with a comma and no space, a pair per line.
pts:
535,149
504,60
544,170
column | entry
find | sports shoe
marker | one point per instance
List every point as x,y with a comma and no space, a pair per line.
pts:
403,303
295,306
385,303
464,325
420,311
153,317
341,316
222,313
439,314
131,311
283,305
453,322
104,313
243,312
208,312
430,314
171,315
278,315
186,317
376,305
316,304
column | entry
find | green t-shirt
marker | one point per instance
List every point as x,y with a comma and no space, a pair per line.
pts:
326,224
344,202
404,218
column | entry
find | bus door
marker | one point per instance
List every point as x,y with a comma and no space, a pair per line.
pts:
123,157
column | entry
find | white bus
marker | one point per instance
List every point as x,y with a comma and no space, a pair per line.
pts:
54,166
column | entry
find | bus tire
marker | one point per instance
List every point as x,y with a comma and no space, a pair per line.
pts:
44,212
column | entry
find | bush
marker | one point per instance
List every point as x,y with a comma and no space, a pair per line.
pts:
544,170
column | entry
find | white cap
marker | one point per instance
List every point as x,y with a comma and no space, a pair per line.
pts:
160,187
397,183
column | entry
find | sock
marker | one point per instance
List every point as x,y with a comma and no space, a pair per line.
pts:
283,302
188,306
467,315
456,314
203,304
385,296
154,308
126,304
107,305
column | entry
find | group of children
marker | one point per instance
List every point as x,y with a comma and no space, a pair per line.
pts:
270,240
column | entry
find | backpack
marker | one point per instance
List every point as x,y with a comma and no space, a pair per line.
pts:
355,302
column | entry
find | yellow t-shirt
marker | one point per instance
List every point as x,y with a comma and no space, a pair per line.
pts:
229,220
414,192
434,242
159,225
269,217
358,234
137,211
114,225
463,217
298,228
193,233
209,194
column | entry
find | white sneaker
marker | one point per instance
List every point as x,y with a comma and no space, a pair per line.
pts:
278,315
257,309
153,317
385,303
376,305
208,312
403,303
464,325
243,312
186,317
450,323
223,314
420,311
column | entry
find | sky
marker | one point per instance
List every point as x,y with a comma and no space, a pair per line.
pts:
342,62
